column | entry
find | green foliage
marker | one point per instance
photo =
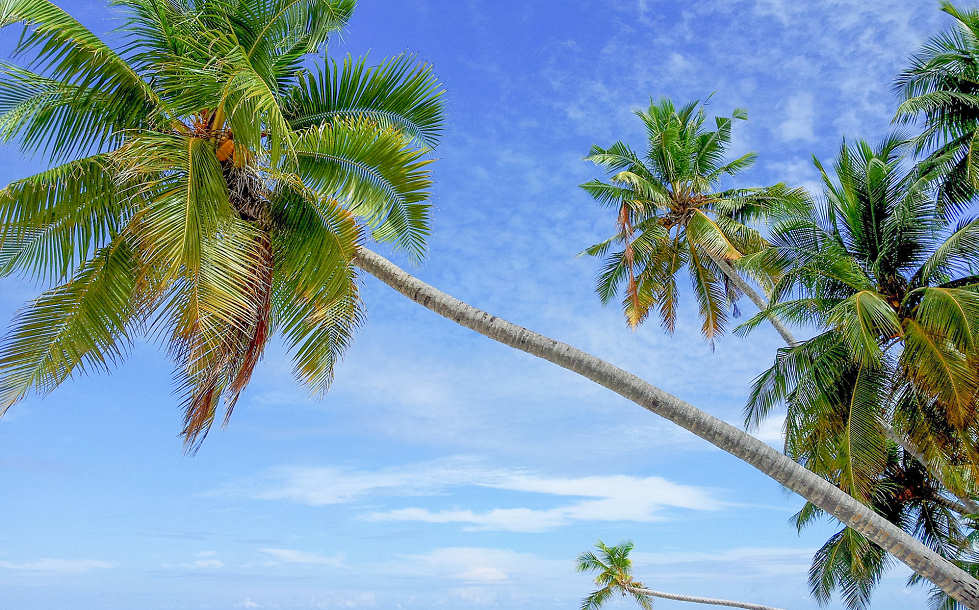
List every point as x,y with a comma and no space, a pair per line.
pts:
941,90
671,215
882,273
614,575
210,193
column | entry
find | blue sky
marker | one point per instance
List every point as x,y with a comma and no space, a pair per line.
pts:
443,470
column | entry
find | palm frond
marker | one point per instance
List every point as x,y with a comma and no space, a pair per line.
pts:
81,326
397,93
374,173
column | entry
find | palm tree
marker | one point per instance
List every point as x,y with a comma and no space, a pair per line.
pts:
211,192
886,277
670,215
614,570
941,91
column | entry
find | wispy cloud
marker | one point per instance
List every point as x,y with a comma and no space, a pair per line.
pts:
67,566
302,557
478,566
800,118
740,562
598,498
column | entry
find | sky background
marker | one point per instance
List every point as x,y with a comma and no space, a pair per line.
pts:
443,470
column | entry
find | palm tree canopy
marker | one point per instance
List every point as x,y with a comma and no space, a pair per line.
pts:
905,495
670,214
888,279
614,575
941,91
212,181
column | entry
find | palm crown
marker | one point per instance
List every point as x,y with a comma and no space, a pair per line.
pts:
211,190
888,279
671,216
941,90
614,570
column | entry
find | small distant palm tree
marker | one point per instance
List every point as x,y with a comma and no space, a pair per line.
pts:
671,215
615,576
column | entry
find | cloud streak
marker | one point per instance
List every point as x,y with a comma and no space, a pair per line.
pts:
60,566
641,499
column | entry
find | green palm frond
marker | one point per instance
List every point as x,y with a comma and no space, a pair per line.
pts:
69,51
235,185
708,288
50,222
374,173
939,91
942,371
267,27
865,320
82,326
397,93
848,562
62,119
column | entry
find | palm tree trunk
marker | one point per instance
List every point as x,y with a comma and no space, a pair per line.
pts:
951,579
965,501
756,298
704,600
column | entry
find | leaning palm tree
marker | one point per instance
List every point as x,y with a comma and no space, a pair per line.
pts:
941,91
890,378
614,568
210,191
671,214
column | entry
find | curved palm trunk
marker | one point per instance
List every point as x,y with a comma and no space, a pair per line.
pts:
705,600
951,579
966,505
756,298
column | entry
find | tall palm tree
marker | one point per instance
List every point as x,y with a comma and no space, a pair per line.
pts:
941,91
210,190
614,568
671,215
215,192
886,277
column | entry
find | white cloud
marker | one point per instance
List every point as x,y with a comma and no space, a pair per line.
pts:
478,566
800,118
66,566
600,498
247,603
206,561
612,498
771,430
302,557
740,562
